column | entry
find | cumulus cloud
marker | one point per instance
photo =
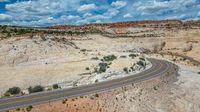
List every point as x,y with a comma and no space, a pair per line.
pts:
128,15
53,12
4,0
119,4
5,17
70,17
87,7
159,7
87,14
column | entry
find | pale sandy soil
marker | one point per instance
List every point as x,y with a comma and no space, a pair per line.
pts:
28,62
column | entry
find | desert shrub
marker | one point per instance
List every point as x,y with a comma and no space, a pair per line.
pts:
141,63
109,58
35,89
102,69
188,48
142,59
87,68
14,90
125,69
132,55
29,108
162,45
8,34
103,64
95,58
158,47
96,80
83,50
122,56
155,88
7,94
96,95
55,86
18,109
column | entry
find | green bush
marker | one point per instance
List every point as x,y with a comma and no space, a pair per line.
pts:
87,68
95,58
102,69
96,80
96,95
125,69
35,89
141,63
55,86
109,58
122,56
142,59
132,55
14,90
29,108
83,50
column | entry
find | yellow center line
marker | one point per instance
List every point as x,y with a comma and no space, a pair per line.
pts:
58,94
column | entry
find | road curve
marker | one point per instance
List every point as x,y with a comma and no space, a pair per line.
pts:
159,68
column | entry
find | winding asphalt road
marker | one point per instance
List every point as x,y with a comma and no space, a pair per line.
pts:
159,68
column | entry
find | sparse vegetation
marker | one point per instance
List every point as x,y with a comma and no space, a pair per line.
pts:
102,68
109,58
14,90
87,68
95,58
96,80
141,63
132,55
125,69
29,108
35,89
83,50
142,59
188,48
96,95
55,86
122,56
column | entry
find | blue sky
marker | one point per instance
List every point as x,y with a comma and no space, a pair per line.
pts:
76,12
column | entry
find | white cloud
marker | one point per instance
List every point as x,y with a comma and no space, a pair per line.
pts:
70,17
157,7
87,14
87,7
4,0
98,21
119,4
108,15
128,15
5,17
39,9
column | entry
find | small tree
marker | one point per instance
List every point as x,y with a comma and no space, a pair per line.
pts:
87,68
8,34
35,89
55,86
14,90
125,69
141,63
